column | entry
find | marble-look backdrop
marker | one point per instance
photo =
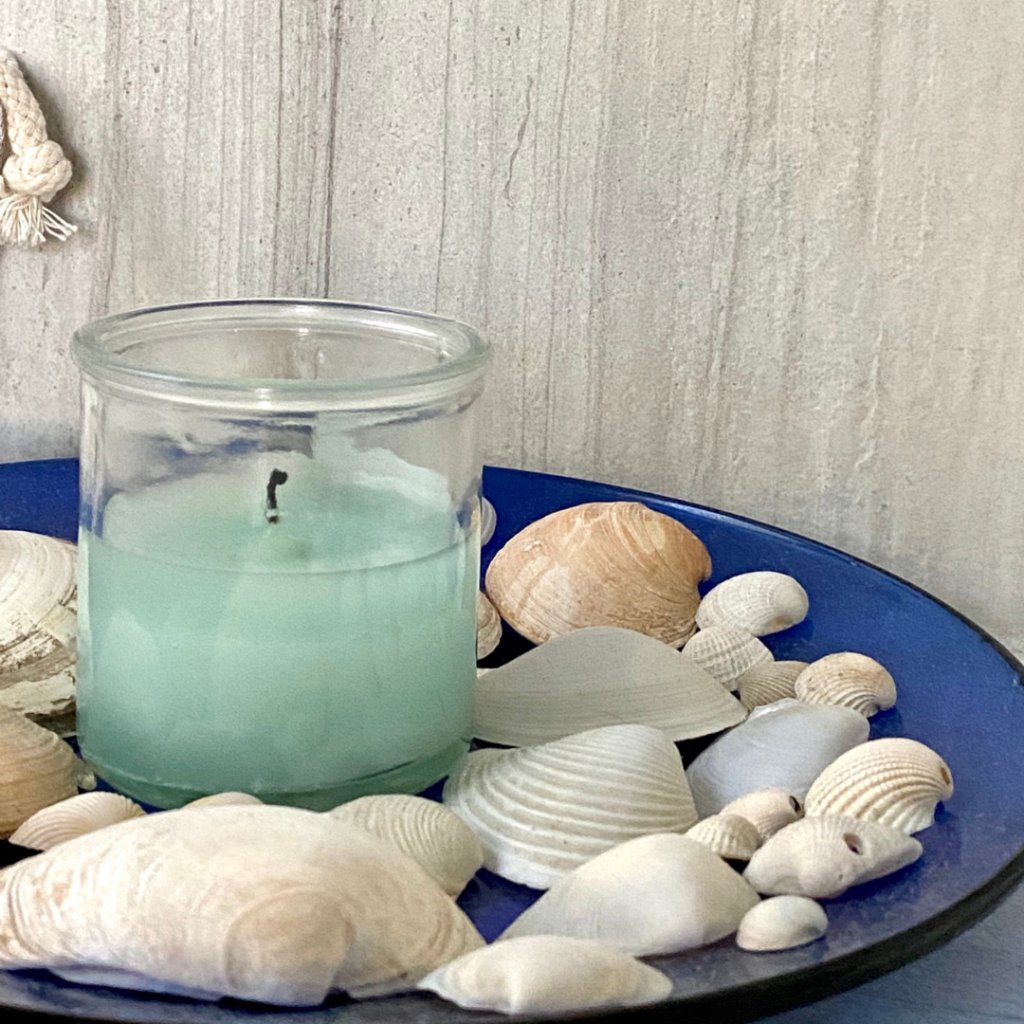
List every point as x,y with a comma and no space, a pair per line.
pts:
764,256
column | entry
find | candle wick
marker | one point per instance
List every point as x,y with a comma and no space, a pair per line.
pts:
277,477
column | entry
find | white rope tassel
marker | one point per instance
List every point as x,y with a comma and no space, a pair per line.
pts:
36,169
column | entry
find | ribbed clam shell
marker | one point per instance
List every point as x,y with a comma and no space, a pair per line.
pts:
756,602
438,840
822,857
228,799
595,677
849,680
547,974
768,810
728,835
769,682
781,922
726,653
542,811
74,817
488,521
613,563
488,626
894,781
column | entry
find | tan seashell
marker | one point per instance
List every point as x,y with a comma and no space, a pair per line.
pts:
228,799
768,810
894,781
438,840
74,817
756,602
48,701
488,626
781,922
849,680
726,653
768,682
613,563
728,835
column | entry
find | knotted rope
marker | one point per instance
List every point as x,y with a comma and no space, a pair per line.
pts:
36,169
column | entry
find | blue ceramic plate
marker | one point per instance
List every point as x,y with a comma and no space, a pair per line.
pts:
959,692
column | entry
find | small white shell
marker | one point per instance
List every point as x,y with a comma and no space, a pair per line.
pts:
769,682
547,974
726,653
488,521
768,810
228,799
849,680
728,835
488,626
756,602
781,922
895,781
74,817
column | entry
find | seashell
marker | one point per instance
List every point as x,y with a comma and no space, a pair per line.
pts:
48,701
488,626
74,817
849,680
769,682
488,521
540,812
781,922
785,744
614,563
229,799
726,653
768,810
599,676
284,906
438,840
823,857
656,894
756,602
728,835
894,781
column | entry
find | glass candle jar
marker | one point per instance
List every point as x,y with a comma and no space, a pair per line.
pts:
279,549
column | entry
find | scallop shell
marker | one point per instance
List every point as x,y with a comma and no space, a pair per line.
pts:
547,974
781,922
756,602
228,799
728,835
849,680
726,653
488,521
438,840
542,811
894,781
768,810
769,682
823,857
600,564
595,677
652,895
488,626
74,817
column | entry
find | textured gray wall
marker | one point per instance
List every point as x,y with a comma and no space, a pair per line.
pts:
764,256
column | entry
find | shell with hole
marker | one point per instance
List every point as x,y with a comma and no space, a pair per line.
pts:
595,677
729,835
849,680
768,810
542,811
769,682
726,653
781,922
488,626
756,602
74,817
613,563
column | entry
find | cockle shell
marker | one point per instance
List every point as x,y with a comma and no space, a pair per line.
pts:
272,904
656,894
438,840
542,811
781,922
894,781
599,676
74,817
228,799
756,602
823,857
769,682
726,653
613,563
728,835
768,810
547,974
849,680
488,626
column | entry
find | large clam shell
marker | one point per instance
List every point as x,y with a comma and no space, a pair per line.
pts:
488,626
849,680
595,677
728,835
756,602
768,810
726,653
74,817
781,922
600,564
542,811
769,682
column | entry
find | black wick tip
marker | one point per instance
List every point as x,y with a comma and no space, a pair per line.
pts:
277,477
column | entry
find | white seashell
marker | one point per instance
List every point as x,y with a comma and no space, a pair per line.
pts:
756,602
48,701
74,817
488,626
728,835
769,682
768,810
272,904
785,744
894,781
656,894
823,857
726,653
849,680
595,677
613,563
488,521
547,974
229,799
781,922
438,840
542,811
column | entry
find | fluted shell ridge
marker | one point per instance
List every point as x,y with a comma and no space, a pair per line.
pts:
756,602
847,679
726,653
769,682
768,810
74,817
729,835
